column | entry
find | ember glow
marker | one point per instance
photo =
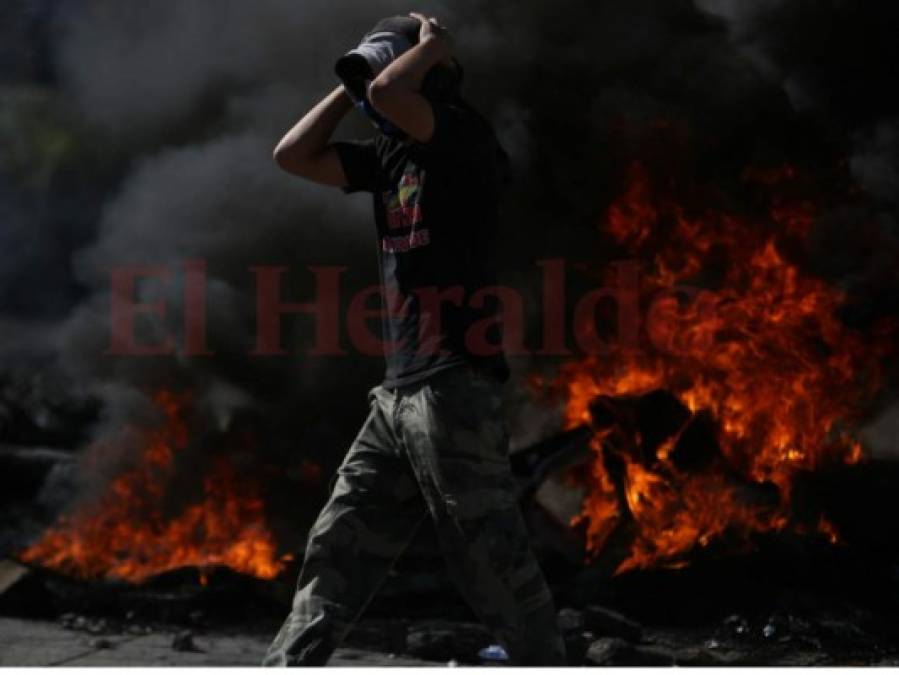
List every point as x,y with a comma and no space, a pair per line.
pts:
761,351
129,533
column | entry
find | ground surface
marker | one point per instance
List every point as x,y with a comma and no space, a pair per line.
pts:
781,606
43,643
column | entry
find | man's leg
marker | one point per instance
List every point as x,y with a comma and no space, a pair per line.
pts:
373,512
456,439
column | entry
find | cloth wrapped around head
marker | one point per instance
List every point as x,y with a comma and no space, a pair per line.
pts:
387,41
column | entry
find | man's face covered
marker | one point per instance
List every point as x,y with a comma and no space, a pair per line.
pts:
386,42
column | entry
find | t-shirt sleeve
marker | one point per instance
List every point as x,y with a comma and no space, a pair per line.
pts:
360,164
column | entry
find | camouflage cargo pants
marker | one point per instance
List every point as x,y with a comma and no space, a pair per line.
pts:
438,448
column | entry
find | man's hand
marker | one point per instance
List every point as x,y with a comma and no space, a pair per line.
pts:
432,29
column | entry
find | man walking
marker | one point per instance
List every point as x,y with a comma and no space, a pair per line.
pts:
434,444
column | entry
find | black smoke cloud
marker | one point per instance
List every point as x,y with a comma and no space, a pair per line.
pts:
177,105
836,57
838,63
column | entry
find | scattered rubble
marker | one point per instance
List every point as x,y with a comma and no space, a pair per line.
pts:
184,642
612,651
604,621
446,640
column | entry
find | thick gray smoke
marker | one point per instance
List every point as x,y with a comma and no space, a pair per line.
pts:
181,102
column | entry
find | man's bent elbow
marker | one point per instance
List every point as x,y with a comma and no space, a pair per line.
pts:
289,160
381,95
278,156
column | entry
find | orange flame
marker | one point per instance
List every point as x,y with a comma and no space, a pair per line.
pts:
765,353
127,535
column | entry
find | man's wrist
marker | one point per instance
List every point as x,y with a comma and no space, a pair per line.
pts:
342,98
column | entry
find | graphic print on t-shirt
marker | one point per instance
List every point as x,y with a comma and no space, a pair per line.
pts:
403,208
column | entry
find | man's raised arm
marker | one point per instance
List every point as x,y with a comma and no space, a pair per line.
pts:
306,149
395,92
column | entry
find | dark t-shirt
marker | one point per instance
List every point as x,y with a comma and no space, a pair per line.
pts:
436,216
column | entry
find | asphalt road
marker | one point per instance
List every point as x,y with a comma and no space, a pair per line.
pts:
42,643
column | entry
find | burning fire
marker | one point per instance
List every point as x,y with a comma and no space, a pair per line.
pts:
764,353
126,534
